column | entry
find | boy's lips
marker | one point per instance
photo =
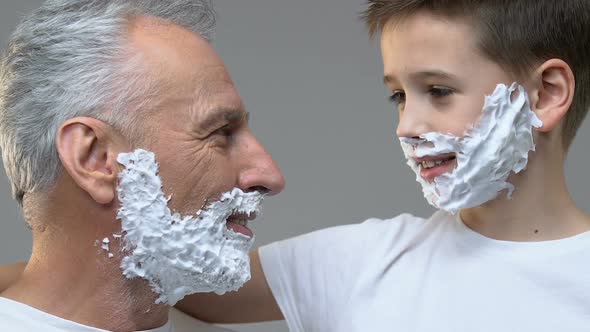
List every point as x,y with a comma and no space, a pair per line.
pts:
435,166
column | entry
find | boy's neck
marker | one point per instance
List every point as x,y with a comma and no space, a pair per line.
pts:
541,207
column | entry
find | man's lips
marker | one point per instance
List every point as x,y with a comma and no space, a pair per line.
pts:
238,223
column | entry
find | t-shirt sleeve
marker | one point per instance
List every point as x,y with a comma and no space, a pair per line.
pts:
311,275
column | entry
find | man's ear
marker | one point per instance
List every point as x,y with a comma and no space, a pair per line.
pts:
554,86
88,151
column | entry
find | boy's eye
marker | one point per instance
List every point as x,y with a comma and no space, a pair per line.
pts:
398,97
439,91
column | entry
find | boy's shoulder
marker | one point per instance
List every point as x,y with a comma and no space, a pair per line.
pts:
406,223
374,233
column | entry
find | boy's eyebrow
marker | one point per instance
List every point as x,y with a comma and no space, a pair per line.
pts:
389,79
433,74
422,75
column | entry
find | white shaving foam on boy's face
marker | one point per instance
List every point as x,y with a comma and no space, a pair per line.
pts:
492,149
179,255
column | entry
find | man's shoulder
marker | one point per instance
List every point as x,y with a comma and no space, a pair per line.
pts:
19,317
14,322
8,324
185,323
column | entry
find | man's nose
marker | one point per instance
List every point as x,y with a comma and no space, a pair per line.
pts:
413,122
259,172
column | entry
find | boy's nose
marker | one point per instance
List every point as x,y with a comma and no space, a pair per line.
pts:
413,124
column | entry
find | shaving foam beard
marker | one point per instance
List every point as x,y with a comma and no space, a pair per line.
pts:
179,255
490,151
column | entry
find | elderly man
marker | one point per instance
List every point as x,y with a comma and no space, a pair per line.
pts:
127,145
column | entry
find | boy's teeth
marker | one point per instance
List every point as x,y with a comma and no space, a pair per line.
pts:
431,164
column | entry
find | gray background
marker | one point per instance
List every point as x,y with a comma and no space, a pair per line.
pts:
312,81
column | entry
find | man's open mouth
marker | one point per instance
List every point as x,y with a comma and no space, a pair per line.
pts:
238,222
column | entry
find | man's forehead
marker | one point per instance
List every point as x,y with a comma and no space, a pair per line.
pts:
216,93
215,87
214,80
172,51
186,65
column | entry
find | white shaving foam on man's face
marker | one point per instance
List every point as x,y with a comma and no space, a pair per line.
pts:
179,255
496,146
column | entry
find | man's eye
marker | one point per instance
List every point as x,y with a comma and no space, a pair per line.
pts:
440,92
222,133
398,97
225,131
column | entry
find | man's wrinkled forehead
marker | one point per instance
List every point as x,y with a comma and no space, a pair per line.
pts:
217,103
187,68
174,53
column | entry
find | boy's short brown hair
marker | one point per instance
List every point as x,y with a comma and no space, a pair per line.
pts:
516,34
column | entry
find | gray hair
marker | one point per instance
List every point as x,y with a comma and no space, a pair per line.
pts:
67,60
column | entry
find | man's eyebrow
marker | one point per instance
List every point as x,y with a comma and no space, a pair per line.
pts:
224,116
422,75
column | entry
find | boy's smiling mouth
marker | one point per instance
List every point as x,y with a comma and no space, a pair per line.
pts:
435,166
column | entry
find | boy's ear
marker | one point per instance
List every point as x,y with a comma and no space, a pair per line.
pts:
88,151
554,86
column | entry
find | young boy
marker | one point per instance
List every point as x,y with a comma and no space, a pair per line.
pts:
508,250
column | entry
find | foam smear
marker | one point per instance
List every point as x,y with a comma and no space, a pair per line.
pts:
492,149
179,255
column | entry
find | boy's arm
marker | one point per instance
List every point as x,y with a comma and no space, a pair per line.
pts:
253,302
9,274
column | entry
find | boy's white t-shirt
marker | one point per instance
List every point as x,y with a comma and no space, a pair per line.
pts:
19,317
410,274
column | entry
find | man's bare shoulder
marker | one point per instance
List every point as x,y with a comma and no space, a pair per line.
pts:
9,274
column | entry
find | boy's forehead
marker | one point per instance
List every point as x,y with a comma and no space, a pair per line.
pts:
424,42
422,25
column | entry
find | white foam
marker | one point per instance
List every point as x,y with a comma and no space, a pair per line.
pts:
180,255
105,244
492,149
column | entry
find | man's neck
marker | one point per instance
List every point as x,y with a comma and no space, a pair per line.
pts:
74,279
541,207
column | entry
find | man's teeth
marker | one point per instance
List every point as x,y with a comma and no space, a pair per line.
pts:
240,222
